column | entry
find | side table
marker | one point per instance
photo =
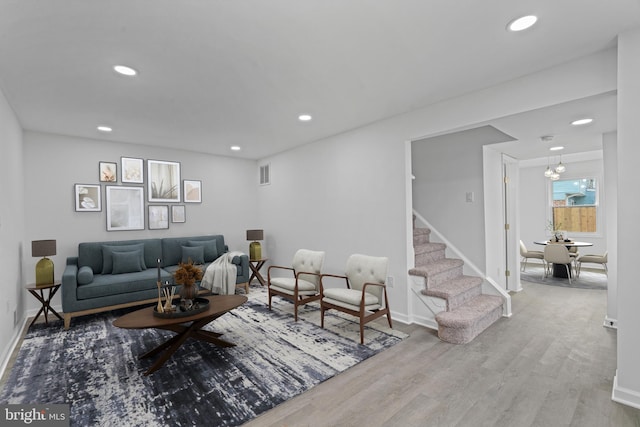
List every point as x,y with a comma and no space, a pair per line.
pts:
256,265
38,292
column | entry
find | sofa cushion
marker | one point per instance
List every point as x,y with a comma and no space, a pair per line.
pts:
194,254
210,248
107,255
172,247
108,284
91,253
126,262
85,275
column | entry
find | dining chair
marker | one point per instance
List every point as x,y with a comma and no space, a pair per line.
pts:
526,254
593,259
557,254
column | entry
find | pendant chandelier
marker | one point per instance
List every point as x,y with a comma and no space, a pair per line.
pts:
553,173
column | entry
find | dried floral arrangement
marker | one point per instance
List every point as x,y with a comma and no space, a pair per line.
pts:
187,274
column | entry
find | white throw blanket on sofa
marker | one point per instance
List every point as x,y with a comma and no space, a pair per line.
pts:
220,276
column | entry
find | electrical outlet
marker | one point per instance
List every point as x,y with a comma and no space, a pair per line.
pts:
390,281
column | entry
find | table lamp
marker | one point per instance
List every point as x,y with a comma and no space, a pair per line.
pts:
255,250
44,267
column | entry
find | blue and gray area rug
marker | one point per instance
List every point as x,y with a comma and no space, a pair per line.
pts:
94,366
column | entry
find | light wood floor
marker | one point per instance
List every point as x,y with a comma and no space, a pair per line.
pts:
551,364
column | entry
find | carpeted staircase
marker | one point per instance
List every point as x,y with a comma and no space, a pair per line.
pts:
468,312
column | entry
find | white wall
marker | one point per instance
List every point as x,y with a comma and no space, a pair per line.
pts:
54,163
342,197
627,384
347,193
446,168
11,224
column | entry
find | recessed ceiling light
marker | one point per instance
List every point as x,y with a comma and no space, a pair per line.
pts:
105,128
557,148
235,148
304,117
124,70
581,121
522,23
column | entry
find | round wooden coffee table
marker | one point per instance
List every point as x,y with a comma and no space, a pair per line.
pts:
185,327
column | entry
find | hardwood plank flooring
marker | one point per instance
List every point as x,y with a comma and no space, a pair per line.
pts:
551,364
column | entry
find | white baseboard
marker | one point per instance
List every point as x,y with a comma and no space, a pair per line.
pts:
15,339
623,395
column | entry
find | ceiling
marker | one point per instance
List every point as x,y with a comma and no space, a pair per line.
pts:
218,73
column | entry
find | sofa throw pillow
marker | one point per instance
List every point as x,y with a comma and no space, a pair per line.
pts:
107,255
85,275
126,262
195,254
210,248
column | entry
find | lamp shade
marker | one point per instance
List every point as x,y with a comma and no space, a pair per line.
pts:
43,248
255,235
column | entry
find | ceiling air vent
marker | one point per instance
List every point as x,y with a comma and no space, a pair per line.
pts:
265,174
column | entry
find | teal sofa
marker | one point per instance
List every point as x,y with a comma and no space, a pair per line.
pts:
116,274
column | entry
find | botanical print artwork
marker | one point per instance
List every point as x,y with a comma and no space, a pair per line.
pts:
87,198
132,170
163,181
108,172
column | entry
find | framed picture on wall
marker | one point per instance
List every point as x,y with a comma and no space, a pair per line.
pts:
158,217
163,181
132,170
125,208
87,198
178,213
108,171
192,191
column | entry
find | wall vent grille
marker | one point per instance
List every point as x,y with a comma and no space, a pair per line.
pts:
265,174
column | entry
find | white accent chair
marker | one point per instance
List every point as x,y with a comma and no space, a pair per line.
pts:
364,293
593,259
303,284
526,254
555,253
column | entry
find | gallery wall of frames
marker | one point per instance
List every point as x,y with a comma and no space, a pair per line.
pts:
121,189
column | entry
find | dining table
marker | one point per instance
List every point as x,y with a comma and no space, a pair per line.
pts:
559,270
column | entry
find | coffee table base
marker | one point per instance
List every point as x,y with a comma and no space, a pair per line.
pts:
184,327
184,332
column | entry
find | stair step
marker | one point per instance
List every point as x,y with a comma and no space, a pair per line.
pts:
439,271
463,324
428,252
421,235
429,247
457,291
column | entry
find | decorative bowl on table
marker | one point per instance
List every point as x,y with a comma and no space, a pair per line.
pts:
198,306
